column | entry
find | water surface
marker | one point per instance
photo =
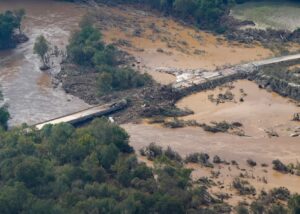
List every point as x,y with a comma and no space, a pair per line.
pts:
28,91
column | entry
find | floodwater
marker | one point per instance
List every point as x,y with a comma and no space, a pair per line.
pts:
28,91
260,110
229,147
270,14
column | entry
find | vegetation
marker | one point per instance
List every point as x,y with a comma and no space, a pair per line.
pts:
204,13
4,117
201,158
243,187
9,22
87,49
154,151
92,169
41,47
273,201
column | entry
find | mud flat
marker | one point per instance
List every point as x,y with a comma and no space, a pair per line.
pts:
259,111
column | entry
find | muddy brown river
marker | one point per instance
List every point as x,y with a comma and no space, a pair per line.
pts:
28,91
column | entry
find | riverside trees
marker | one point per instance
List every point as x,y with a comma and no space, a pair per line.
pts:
9,22
87,50
41,47
92,169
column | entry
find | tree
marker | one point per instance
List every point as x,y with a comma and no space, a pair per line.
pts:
7,26
41,47
19,14
4,117
294,204
30,171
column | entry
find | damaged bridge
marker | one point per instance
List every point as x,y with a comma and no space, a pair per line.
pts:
87,114
196,80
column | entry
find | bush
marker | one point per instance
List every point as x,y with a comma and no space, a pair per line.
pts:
201,158
280,193
279,166
243,187
251,162
172,155
217,159
121,79
152,151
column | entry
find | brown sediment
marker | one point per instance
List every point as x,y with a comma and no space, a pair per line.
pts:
158,41
44,81
263,150
258,112
162,78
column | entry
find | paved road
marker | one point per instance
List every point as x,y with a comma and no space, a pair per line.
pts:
277,60
85,114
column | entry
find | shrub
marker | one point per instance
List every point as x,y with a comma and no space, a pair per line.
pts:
279,166
121,79
217,159
243,187
152,151
251,162
172,155
201,158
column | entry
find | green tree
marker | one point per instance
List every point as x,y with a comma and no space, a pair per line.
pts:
7,26
4,117
294,204
30,171
19,14
14,198
41,47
